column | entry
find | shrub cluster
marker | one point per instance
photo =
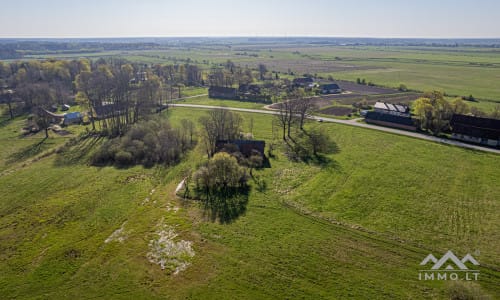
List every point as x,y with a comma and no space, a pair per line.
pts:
146,143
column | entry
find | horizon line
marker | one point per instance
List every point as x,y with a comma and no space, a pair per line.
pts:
253,36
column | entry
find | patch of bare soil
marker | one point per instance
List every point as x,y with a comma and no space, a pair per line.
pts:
364,89
337,111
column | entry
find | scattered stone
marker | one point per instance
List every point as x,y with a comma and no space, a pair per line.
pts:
169,253
145,201
119,235
171,207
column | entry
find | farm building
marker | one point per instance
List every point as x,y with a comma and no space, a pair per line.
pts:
390,120
222,92
303,82
393,109
331,88
476,130
249,89
246,147
72,118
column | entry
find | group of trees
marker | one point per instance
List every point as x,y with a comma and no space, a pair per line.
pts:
117,95
301,144
128,91
434,112
222,185
148,143
223,180
12,49
39,83
221,175
229,74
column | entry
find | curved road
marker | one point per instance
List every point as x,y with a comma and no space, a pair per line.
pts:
357,124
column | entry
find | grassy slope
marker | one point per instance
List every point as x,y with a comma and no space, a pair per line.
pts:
16,148
272,251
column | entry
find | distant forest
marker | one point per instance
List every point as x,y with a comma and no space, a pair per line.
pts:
19,48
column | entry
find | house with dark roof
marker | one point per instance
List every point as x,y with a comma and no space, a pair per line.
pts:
331,88
477,130
303,82
390,120
249,89
52,117
222,92
246,147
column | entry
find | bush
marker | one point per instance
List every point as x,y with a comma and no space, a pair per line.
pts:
146,143
105,154
221,174
124,158
459,290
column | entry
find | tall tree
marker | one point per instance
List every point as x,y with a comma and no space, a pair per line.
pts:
303,105
262,71
285,117
460,107
434,112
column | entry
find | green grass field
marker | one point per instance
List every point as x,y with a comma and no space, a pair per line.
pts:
462,71
205,100
356,227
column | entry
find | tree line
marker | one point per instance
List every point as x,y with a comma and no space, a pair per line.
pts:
115,92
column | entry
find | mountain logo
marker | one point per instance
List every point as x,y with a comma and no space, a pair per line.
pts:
449,267
449,261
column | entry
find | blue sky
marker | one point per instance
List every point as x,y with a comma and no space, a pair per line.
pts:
143,18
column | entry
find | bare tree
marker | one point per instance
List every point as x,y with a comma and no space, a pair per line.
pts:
303,107
7,97
219,124
285,117
262,71
209,135
189,129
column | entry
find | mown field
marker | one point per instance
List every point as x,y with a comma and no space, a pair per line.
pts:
355,227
